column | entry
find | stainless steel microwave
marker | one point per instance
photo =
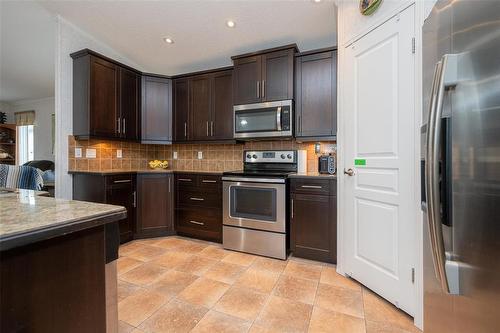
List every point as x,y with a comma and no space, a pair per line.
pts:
263,120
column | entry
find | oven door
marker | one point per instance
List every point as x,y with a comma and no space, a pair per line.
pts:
255,205
259,120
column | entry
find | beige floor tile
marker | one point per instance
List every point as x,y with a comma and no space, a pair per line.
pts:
221,323
125,264
144,274
331,277
126,289
196,265
172,282
136,308
174,317
302,270
340,300
192,248
239,258
301,290
204,292
146,253
123,327
285,315
324,321
224,272
258,280
128,248
171,259
260,329
138,331
381,327
214,252
242,303
171,243
270,265
378,309
149,241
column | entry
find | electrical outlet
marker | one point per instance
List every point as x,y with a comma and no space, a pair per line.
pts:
175,155
200,155
78,152
119,153
90,153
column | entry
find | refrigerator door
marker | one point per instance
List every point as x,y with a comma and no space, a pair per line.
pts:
476,164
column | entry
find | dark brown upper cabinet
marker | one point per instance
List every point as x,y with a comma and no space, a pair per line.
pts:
105,98
156,110
264,76
316,96
203,107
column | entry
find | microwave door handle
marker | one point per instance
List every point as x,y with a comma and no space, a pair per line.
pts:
278,118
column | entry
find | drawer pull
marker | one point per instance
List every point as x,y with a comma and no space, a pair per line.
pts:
312,186
122,181
196,222
184,180
197,199
208,181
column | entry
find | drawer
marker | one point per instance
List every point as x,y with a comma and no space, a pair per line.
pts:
198,198
120,179
200,219
186,181
210,182
314,186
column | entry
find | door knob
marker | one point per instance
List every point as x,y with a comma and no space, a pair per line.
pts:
349,172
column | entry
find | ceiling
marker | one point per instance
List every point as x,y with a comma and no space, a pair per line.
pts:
136,29
27,51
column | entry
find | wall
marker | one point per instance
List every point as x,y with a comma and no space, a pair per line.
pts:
6,108
44,108
69,39
216,157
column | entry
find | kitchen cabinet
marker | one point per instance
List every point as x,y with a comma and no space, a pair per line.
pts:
203,109
313,222
264,76
113,189
106,98
316,96
156,110
155,205
198,206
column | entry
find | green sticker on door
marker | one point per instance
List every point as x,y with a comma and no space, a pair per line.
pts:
359,161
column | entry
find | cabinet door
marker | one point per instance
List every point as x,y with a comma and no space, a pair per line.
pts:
181,109
129,104
104,112
221,126
156,110
277,75
200,106
154,205
123,195
316,100
247,77
313,227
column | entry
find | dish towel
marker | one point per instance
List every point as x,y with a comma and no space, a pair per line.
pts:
24,177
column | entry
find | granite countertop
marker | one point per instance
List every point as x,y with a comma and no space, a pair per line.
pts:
118,172
26,217
313,175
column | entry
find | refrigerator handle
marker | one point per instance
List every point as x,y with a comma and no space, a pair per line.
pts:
432,187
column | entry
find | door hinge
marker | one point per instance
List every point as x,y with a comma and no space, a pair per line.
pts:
413,45
413,275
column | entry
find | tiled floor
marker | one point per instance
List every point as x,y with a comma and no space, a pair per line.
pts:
176,284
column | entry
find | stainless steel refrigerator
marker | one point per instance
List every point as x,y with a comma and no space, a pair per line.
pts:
461,167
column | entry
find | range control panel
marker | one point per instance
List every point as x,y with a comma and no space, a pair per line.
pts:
270,156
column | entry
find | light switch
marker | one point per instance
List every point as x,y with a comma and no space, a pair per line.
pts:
90,153
175,155
200,155
119,153
78,152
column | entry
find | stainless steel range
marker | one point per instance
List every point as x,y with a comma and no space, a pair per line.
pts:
255,218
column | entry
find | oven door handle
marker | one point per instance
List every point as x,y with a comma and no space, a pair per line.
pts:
278,118
254,180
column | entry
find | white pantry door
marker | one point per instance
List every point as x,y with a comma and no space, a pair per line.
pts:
380,235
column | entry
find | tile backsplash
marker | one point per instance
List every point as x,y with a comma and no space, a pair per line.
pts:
215,157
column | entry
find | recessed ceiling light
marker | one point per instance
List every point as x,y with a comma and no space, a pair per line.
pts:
317,1
168,40
230,23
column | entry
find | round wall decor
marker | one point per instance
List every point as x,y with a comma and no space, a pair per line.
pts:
368,7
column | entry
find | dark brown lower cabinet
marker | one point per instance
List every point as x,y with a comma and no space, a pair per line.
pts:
155,203
313,226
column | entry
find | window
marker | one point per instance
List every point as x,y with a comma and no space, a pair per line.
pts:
25,144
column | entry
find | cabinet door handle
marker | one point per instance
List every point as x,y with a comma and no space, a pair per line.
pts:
197,199
258,89
169,187
299,124
185,129
119,125
196,222
208,181
312,186
122,181
212,128
292,208
135,199
207,128
184,179
263,88
123,128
